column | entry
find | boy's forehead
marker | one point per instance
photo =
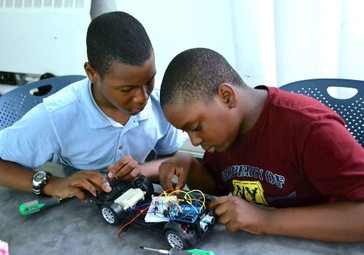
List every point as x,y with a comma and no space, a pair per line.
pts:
182,115
132,74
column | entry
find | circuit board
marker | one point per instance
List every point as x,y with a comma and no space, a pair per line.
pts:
170,208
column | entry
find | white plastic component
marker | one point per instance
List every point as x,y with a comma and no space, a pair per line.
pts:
204,223
209,219
130,198
204,226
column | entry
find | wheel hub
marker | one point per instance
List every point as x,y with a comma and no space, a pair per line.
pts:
108,215
175,241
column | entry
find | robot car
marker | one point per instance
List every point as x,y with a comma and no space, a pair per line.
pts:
183,218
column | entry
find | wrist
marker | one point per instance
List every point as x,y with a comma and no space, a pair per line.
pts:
264,224
148,170
48,188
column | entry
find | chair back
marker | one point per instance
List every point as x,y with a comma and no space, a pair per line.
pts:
17,102
344,96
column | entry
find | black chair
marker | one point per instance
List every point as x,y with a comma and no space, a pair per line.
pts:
17,102
348,100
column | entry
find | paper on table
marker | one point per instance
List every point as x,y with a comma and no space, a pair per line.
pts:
4,248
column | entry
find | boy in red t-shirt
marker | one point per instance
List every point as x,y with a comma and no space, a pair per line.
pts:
266,147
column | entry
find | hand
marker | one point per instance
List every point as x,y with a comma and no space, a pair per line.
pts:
178,165
237,214
76,184
125,168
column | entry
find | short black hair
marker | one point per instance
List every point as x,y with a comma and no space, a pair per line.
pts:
196,74
117,36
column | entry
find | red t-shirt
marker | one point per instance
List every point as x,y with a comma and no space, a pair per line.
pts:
298,153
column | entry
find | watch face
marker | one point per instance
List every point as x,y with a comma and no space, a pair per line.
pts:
39,180
39,176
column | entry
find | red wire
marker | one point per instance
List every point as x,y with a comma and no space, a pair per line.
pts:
132,220
142,211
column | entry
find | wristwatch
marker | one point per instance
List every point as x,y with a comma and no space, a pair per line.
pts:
39,180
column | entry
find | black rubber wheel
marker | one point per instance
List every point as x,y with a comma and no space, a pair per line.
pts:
111,213
177,239
144,184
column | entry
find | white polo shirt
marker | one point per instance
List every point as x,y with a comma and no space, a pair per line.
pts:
70,128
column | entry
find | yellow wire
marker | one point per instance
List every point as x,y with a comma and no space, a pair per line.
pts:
188,198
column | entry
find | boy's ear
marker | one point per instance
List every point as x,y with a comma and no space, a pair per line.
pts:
227,94
91,72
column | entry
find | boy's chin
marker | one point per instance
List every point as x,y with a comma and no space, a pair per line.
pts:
211,150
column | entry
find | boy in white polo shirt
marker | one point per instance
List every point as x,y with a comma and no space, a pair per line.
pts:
109,121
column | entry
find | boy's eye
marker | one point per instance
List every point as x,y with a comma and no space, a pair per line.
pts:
126,90
150,86
195,128
150,83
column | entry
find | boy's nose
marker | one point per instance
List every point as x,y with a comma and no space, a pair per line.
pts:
195,139
141,96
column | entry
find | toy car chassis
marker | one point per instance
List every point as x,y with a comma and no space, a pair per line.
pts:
183,221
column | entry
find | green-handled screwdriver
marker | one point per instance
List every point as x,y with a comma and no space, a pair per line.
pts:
38,205
175,251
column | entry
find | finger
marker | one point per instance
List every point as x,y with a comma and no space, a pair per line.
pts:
182,179
224,219
218,201
231,226
80,195
165,180
86,185
110,171
83,177
132,173
129,171
90,181
114,168
166,184
180,184
105,186
99,182
125,167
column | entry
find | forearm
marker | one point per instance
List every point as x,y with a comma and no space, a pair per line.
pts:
338,222
15,176
150,169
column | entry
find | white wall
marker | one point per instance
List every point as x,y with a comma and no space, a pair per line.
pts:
319,39
268,41
39,36
271,42
177,25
